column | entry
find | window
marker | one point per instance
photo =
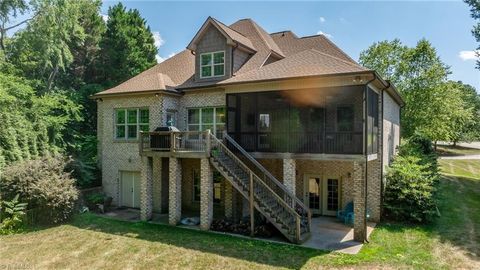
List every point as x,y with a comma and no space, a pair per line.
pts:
212,64
128,122
217,186
171,118
201,119
345,117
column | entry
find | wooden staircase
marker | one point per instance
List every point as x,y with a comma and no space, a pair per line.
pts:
264,192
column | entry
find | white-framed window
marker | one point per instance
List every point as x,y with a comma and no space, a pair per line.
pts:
201,119
128,122
212,64
171,118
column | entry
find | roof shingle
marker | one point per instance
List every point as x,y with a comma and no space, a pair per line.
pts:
276,56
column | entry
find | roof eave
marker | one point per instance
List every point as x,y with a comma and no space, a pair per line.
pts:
132,93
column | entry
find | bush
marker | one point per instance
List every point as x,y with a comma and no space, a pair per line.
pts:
44,184
410,182
12,215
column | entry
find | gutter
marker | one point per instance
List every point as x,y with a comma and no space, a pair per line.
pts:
134,93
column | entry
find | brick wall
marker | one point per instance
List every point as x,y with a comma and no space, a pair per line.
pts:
121,155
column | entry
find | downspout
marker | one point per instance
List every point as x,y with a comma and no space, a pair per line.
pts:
382,186
366,155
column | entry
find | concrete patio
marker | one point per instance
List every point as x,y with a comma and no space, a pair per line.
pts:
327,232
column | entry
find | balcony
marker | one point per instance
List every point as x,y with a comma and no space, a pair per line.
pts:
181,144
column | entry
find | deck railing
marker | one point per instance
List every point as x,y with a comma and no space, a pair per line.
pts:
175,141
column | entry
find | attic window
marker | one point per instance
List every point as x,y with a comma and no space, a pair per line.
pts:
212,64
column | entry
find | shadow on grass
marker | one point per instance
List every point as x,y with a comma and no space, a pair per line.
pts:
458,200
261,252
452,151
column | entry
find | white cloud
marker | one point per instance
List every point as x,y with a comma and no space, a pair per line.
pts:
161,59
104,17
325,34
322,19
158,39
469,55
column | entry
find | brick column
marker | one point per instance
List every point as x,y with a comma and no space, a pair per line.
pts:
359,229
174,191
374,189
289,167
206,194
146,189
157,185
228,200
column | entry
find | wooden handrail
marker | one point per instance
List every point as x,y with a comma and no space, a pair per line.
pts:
266,172
259,180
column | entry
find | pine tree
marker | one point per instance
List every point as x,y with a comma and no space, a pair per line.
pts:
127,47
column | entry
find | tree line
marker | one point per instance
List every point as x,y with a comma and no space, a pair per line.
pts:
58,56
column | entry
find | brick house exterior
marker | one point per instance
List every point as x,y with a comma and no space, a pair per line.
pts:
336,166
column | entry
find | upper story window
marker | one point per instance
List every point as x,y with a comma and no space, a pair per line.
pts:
128,122
212,64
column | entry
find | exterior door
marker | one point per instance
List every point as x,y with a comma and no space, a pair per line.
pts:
331,196
313,195
130,189
323,195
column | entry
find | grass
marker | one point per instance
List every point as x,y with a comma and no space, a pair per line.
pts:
450,150
94,242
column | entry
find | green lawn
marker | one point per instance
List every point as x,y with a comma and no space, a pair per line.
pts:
450,150
94,242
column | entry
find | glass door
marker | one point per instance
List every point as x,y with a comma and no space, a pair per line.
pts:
331,196
322,194
313,195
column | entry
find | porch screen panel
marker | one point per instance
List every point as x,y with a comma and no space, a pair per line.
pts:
372,121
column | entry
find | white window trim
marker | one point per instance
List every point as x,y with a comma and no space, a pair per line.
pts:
125,124
212,65
201,124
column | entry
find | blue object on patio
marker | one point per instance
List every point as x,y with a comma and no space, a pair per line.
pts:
346,214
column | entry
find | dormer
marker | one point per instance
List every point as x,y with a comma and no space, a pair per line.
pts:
215,47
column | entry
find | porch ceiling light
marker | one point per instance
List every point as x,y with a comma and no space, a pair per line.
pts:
358,79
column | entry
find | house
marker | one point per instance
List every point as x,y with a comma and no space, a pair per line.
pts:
283,125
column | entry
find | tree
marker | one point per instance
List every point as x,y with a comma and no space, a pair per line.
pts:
127,46
84,68
10,9
433,107
475,12
470,130
42,49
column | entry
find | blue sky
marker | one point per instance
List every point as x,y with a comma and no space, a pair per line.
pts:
353,26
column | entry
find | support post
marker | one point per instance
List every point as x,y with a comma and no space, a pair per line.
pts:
146,189
206,194
174,191
359,203
208,142
252,207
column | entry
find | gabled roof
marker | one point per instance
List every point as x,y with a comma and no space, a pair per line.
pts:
275,56
309,62
232,36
